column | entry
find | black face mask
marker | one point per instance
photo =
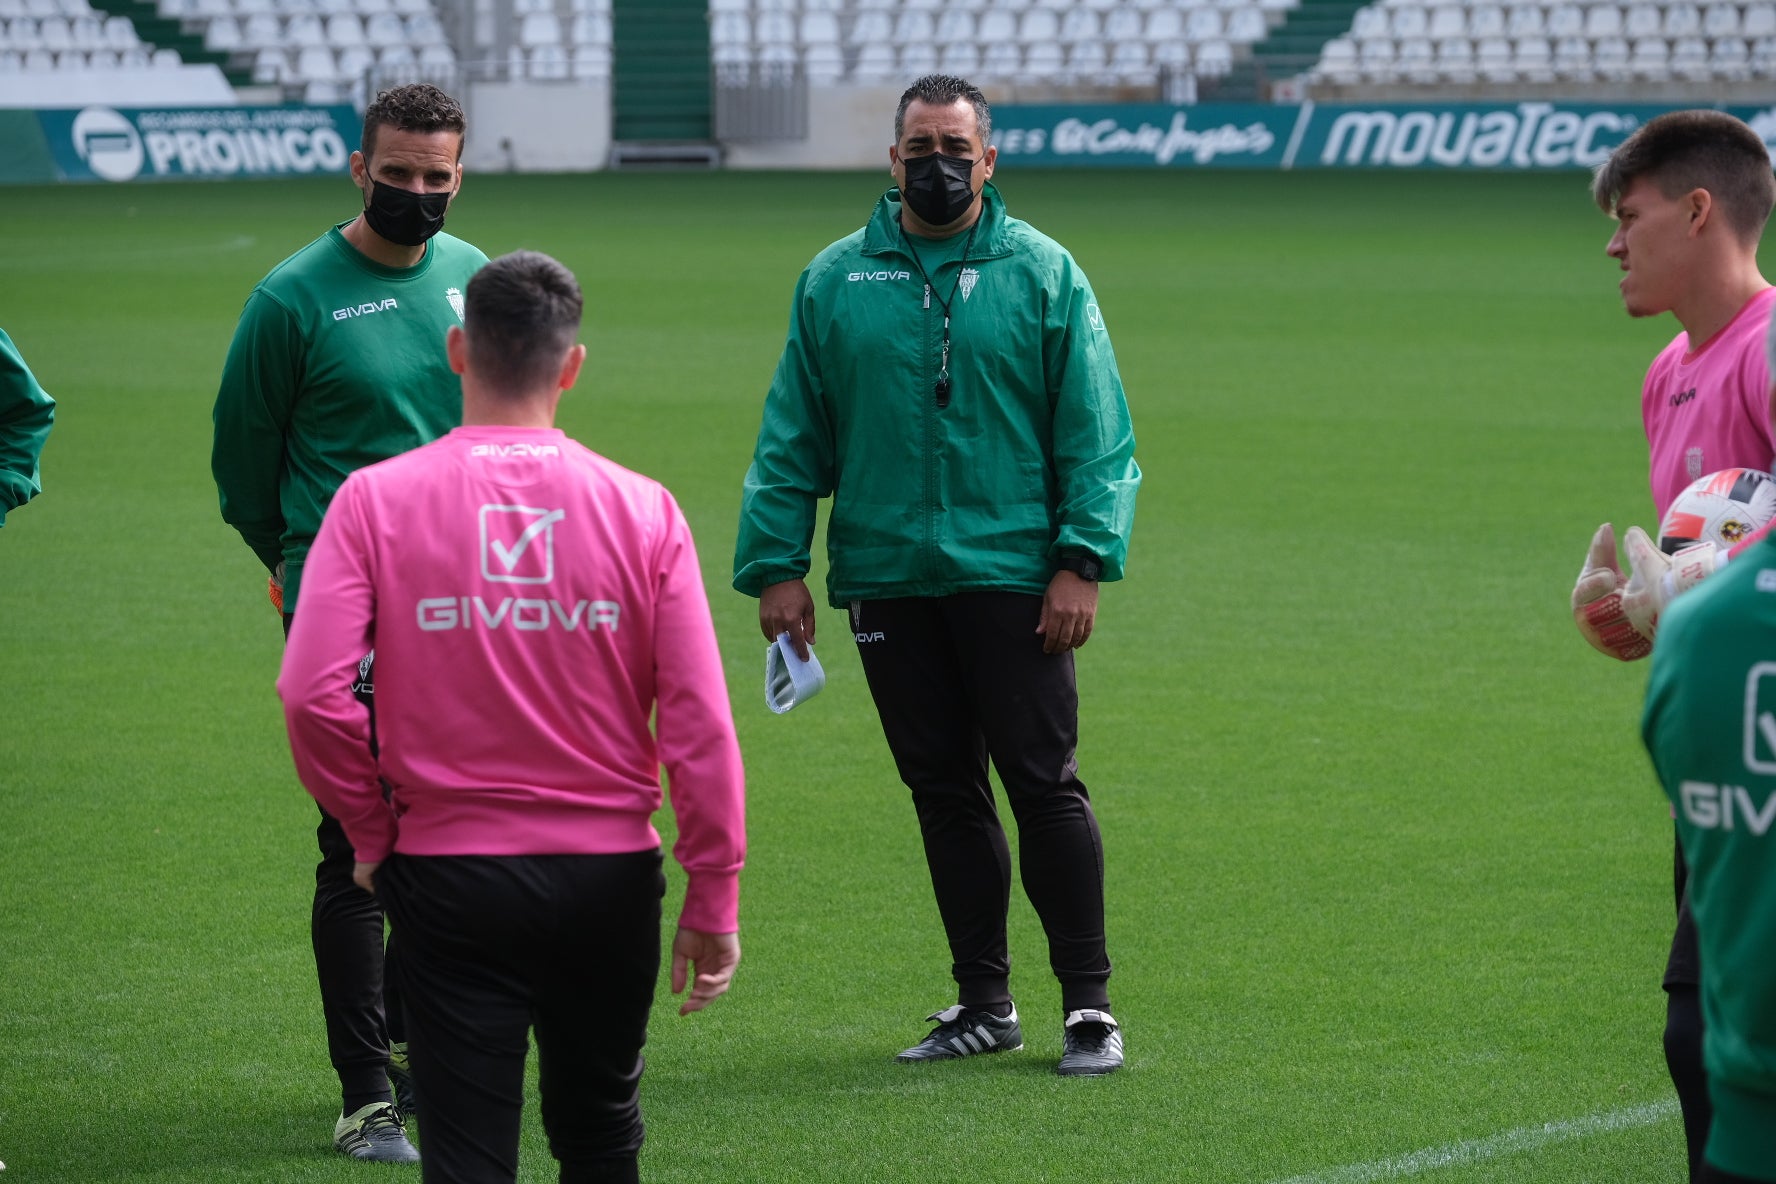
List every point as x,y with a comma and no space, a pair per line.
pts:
404,217
937,187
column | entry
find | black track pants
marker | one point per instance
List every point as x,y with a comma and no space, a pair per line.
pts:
1683,1023
358,1002
958,680
492,946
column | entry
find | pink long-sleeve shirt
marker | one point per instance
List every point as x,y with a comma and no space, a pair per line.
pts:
1709,409
531,606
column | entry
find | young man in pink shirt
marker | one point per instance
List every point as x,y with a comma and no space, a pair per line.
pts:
532,606
1691,191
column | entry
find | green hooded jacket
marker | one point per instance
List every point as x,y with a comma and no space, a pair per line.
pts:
1032,458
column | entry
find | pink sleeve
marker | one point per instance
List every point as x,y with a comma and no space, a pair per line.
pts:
695,733
329,728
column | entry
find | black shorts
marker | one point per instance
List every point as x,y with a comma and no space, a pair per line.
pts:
1683,968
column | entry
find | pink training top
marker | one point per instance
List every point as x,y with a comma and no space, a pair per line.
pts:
1709,410
531,606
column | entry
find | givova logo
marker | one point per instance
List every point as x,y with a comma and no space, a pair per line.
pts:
518,544
1760,718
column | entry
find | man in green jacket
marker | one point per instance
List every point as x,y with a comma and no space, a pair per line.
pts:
338,362
948,380
1710,726
26,412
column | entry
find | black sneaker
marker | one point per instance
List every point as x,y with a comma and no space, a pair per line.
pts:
375,1133
966,1032
1091,1045
400,1076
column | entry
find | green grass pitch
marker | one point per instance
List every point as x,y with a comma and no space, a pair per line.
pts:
1388,874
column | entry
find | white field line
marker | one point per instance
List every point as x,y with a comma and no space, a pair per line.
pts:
1512,1142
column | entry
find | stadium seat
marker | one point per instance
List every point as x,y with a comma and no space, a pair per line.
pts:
1369,22
875,63
1409,21
1572,59
1448,20
730,28
549,63
1494,60
1377,59
1039,25
1720,20
355,61
222,35
1759,21
915,26
1003,60
1729,59
1610,57
1566,20
1214,59
1649,60
1088,62
1763,57
38,61
1043,62
872,27
1526,20
437,56
814,28
823,63
271,65
1533,58
345,30
120,33
918,60
774,28
1164,24
1172,57
996,25
1416,61
384,29
164,58
1080,24
539,28
54,34
423,28
591,61
1603,20
1486,20
11,62
1121,24
1690,60
961,58
1682,19
303,30
1642,20
410,7
1455,60
1204,24
262,30
1246,25
1338,62
315,63
1129,64
87,32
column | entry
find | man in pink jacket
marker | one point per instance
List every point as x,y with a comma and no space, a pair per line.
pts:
532,606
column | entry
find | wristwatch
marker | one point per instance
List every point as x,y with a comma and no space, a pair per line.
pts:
1086,567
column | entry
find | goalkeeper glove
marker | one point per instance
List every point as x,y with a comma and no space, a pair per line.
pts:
1659,578
1597,603
274,588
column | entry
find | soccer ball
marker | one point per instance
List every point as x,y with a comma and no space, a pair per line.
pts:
1724,508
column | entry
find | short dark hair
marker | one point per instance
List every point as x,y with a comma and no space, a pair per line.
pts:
940,90
521,314
416,107
1684,150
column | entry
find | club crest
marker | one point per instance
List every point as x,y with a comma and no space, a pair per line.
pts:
967,280
455,296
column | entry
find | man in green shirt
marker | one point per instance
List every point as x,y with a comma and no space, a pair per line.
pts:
26,411
338,362
948,381
1710,727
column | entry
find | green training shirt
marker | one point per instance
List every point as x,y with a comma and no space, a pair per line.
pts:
1710,726
26,412
338,362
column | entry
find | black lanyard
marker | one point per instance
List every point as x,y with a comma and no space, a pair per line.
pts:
942,388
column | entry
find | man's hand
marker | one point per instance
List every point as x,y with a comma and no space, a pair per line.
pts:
788,608
364,876
1659,578
1069,608
706,962
1597,602
274,588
